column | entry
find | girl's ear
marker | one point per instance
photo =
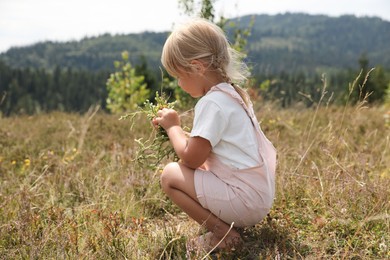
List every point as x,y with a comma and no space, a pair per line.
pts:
198,66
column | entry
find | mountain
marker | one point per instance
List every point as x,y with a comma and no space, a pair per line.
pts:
94,53
301,41
284,42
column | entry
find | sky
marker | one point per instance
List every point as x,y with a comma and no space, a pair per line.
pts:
25,22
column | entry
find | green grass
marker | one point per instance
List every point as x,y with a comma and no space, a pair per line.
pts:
69,188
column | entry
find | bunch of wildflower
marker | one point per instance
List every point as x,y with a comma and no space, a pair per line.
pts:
152,151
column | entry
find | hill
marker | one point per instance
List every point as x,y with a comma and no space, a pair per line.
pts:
284,42
94,53
302,41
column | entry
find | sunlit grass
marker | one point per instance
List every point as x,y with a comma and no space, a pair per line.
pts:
69,188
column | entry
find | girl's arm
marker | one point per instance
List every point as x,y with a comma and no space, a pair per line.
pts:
193,151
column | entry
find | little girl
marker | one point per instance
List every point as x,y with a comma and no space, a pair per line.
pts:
225,176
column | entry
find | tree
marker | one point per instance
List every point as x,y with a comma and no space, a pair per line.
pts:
372,83
379,85
126,90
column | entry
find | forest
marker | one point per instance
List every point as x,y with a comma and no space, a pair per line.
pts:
290,56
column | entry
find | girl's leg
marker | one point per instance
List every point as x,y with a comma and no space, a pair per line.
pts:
177,181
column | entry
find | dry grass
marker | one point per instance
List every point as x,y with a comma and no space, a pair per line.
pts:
69,189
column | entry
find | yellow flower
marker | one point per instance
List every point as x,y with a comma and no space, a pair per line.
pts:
27,162
385,174
271,121
13,162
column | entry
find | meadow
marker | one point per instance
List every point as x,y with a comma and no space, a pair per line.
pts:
70,188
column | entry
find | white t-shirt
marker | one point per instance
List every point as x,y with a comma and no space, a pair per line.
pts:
223,121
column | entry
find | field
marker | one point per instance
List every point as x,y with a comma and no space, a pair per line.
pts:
69,188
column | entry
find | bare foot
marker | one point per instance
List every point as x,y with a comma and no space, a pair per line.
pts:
230,242
209,243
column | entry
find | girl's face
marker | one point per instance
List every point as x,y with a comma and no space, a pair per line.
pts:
192,83
197,81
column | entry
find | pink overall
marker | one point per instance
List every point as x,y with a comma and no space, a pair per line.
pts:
242,196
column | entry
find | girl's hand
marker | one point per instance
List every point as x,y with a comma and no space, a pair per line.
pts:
192,151
166,118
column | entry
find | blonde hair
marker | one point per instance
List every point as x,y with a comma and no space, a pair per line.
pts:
202,40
